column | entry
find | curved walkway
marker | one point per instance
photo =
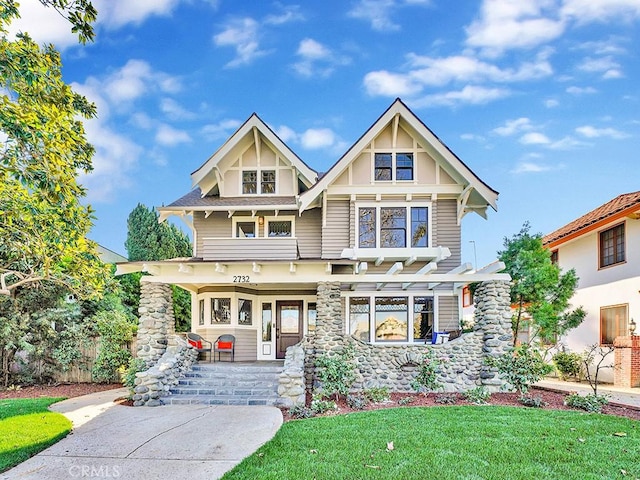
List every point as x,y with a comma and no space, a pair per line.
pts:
172,441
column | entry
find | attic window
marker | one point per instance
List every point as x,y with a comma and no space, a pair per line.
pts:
268,184
250,182
393,166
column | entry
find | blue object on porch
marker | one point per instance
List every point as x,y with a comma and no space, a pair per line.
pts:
225,344
440,337
198,342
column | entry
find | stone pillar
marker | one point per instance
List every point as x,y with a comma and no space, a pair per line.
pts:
156,321
622,366
493,319
330,321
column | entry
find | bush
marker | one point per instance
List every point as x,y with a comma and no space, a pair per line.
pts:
129,374
319,406
568,364
535,402
520,368
357,402
427,379
406,401
477,396
446,398
377,394
301,411
336,372
115,331
591,403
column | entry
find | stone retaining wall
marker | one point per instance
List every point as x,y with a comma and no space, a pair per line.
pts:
291,383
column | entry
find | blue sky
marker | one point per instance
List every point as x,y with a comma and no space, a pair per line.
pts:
540,98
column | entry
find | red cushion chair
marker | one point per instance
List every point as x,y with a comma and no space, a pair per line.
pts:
225,344
199,343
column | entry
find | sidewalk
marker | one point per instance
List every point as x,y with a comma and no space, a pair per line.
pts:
628,397
173,441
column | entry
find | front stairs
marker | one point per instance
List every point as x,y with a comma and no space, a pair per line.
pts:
228,383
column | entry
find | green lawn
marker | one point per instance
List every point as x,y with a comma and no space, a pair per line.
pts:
450,443
27,427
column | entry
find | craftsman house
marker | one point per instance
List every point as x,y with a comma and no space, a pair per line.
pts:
383,225
603,246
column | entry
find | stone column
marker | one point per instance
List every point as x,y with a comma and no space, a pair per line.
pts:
156,321
329,322
622,362
493,319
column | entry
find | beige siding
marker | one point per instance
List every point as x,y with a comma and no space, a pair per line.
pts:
335,235
246,342
249,249
361,170
216,225
447,233
448,314
309,233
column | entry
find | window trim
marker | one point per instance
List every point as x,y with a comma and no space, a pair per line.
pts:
408,227
626,328
246,219
394,166
258,172
279,218
624,245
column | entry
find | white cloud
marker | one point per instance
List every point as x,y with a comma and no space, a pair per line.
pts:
243,35
390,84
170,137
534,138
511,127
317,138
286,134
136,79
605,65
472,137
567,143
290,13
573,90
312,50
116,13
222,129
379,12
551,103
589,131
587,11
316,59
470,95
43,24
530,167
175,111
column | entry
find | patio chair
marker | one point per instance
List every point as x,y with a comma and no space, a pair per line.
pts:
199,343
224,344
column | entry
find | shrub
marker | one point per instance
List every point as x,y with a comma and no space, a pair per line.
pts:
446,398
535,402
377,394
301,411
591,403
520,368
357,402
319,406
477,396
336,372
568,364
129,374
427,379
115,331
406,400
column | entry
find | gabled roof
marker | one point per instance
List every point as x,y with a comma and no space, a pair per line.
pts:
425,136
621,206
252,126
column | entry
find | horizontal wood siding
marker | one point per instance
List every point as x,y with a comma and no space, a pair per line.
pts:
448,314
335,236
448,233
309,233
246,348
218,224
249,249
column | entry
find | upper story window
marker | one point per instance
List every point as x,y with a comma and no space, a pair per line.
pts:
393,227
245,229
250,182
393,166
554,257
279,227
612,246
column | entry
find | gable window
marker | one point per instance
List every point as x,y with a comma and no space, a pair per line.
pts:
613,323
393,227
277,228
249,182
268,183
393,166
612,246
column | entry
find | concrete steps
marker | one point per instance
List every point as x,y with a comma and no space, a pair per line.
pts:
226,383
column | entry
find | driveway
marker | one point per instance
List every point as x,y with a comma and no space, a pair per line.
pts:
173,441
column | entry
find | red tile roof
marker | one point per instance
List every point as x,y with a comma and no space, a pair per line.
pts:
619,207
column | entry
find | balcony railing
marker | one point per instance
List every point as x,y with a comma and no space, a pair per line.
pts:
249,249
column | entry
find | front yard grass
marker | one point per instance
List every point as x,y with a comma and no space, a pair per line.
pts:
467,442
27,427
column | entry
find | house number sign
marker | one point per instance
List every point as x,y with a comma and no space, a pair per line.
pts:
241,279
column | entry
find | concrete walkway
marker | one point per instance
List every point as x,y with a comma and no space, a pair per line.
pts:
173,441
628,397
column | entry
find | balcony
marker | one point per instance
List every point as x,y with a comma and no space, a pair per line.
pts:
220,249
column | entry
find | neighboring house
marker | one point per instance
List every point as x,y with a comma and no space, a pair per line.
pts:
603,247
383,222
109,256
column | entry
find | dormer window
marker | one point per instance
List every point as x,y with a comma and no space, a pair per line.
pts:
393,166
267,182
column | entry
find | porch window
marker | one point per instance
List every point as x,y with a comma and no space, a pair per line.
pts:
220,311
201,313
613,323
422,319
612,246
312,315
367,227
359,320
245,230
393,227
249,182
391,318
244,312
279,229
267,321
268,183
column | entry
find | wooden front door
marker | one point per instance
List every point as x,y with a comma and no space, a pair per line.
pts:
289,326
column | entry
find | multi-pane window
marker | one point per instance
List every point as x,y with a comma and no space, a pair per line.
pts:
245,230
249,182
393,227
419,217
367,227
612,246
391,318
268,183
244,312
423,319
613,323
279,228
220,311
359,308
398,166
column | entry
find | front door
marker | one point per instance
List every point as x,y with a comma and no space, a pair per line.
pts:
289,327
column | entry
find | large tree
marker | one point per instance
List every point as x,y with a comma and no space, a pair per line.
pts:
149,240
43,224
540,292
